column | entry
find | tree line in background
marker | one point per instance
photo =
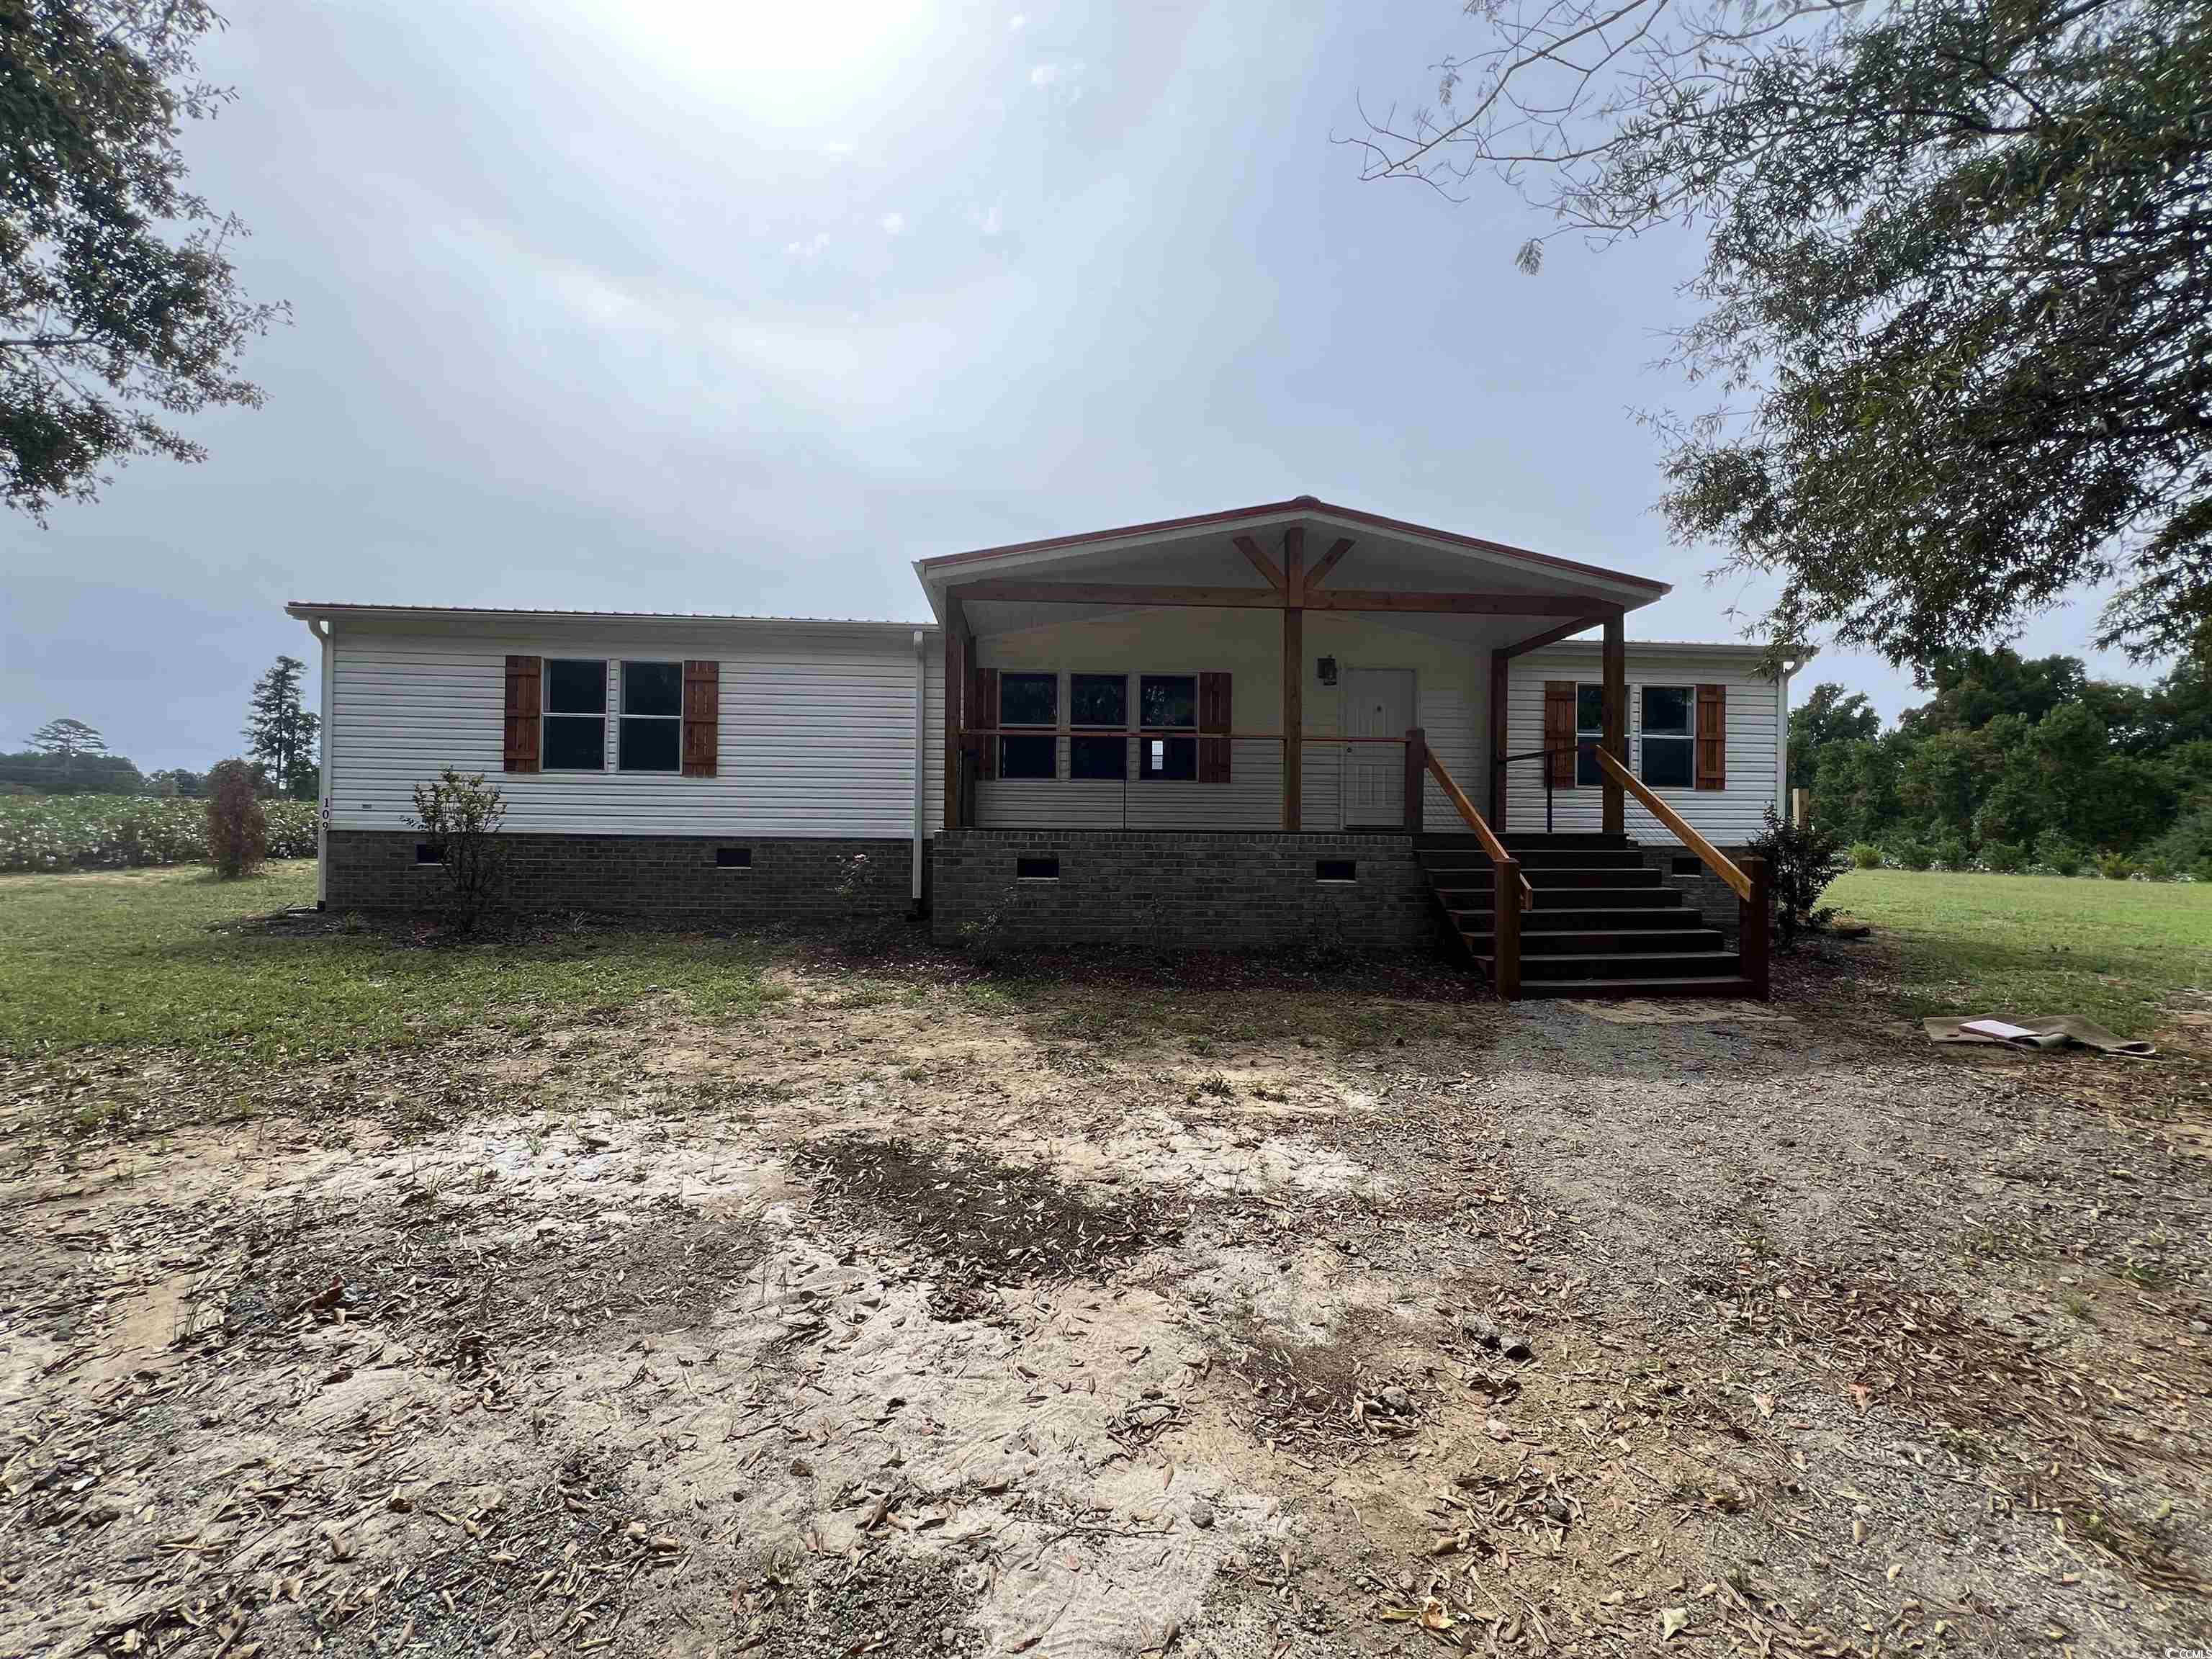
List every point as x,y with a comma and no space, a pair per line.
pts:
68,757
2017,763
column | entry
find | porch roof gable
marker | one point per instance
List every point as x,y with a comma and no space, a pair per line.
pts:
1201,547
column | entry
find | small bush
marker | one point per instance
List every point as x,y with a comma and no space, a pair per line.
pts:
2005,857
988,938
872,927
1801,860
2057,853
1953,853
462,814
237,830
2187,841
2116,866
1911,853
2156,866
1865,855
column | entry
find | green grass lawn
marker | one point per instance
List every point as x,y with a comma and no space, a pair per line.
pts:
145,958
2037,944
155,959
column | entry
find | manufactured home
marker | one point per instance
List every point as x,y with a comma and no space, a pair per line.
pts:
1249,728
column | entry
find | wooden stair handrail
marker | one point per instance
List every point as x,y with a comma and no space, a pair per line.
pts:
1491,845
1715,860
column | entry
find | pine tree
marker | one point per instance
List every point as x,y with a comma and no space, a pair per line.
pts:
64,740
279,732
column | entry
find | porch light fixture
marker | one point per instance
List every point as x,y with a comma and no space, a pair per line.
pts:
1325,668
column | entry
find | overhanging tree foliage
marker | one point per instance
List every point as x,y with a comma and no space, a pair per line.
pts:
1957,276
118,305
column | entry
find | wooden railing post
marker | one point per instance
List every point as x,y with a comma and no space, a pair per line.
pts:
1755,926
1505,937
1416,773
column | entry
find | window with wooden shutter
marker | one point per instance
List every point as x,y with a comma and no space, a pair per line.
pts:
1559,731
524,707
1214,717
1712,736
702,717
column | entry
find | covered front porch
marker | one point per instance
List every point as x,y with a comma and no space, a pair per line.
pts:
1297,668
1285,725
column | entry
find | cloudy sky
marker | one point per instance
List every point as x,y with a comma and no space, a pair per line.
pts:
701,305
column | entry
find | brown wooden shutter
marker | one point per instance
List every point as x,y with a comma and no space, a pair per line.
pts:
1712,736
1213,715
986,705
525,709
702,717
1559,731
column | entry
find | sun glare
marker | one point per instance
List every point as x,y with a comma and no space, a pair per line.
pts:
818,64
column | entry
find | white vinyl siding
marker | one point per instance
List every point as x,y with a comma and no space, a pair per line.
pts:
1729,817
816,734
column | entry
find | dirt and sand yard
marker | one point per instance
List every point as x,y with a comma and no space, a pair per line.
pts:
917,1314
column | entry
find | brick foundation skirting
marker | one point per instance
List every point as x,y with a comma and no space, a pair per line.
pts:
1225,888
668,879
1707,894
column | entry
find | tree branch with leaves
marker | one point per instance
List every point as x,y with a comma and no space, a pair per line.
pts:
119,307
1958,262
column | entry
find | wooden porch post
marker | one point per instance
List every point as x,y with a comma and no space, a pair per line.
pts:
955,676
1754,922
1505,934
1294,681
1616,720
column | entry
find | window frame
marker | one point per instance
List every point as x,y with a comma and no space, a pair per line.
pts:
1686,740
1093,734
1165,736
624,717
547,713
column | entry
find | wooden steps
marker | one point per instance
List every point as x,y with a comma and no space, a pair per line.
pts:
1603,924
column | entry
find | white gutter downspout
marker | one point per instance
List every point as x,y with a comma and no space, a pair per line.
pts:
920,759
1784,807
322,631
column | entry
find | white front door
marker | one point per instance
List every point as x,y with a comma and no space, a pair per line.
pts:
1378,703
